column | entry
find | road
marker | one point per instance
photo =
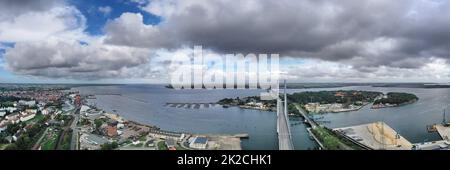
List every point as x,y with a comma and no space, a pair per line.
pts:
305,116
283,129
36,145
73,126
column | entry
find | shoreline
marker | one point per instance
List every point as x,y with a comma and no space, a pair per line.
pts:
215,141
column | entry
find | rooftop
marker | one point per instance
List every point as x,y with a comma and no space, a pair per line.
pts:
201,140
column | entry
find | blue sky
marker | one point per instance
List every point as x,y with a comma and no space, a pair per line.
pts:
96,19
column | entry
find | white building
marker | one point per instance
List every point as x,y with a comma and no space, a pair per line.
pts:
2,113
84,110
2,128
27,117
199,143
27,103
31,111
10,109
45,112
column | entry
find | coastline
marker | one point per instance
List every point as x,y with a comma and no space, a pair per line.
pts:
183,139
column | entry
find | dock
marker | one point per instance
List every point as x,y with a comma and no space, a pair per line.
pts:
444,131
377,136
435,145
191,105
242,135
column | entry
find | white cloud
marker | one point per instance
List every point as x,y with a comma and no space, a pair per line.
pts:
129,30
63,21
106,10
313,70
64,58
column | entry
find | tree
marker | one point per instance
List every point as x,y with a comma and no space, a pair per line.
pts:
13,128
23,143
12,147
98,123
110,146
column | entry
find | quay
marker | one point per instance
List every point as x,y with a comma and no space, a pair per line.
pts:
444,131
377,136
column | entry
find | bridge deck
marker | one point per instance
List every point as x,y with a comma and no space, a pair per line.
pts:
284,133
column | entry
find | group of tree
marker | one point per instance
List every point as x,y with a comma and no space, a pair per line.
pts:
397,98
325,97
109,146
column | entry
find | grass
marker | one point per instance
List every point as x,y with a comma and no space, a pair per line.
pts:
162,145
178,147
143,138
66,141
50,139
3,146
333,141
329,140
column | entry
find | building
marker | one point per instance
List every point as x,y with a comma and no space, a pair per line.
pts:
111,131
77,101
31,111
170,143
45,112
91,141
27,103
2,113
12,116
10,109
2,127
27,117
199,143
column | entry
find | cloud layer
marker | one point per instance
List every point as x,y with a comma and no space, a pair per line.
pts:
362,39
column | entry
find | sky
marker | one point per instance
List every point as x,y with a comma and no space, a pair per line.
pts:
132,41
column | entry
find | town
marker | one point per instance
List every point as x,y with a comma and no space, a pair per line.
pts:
61,119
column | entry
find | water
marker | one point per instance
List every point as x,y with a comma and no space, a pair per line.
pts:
410,120
146,104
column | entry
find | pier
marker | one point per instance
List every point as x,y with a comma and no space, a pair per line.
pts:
190,105
376,135
444,131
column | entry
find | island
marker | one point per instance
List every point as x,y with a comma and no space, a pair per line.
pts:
333,101
394,99
251,102
319,102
